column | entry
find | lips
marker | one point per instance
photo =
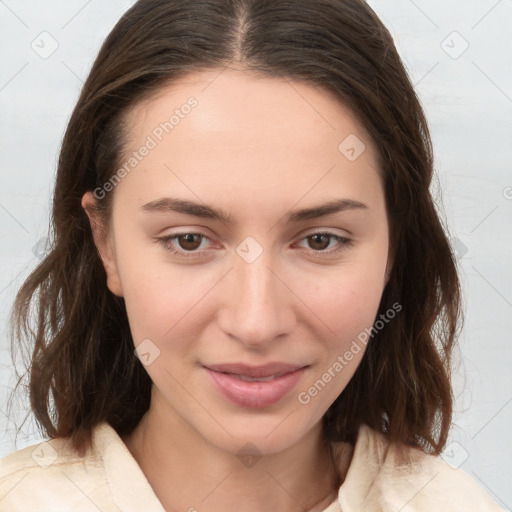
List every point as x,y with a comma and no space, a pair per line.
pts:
254,386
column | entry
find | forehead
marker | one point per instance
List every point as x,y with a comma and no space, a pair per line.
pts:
250,108
248,134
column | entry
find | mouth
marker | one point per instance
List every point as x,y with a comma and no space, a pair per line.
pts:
255,386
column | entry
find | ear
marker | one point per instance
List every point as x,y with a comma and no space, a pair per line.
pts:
104,243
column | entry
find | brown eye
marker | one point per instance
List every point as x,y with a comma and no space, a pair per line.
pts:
319,241
184,245
324,244
189,241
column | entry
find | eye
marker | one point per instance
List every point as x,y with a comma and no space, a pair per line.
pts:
189,243
321,241
186,245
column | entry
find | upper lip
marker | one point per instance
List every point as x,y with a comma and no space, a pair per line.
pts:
266,370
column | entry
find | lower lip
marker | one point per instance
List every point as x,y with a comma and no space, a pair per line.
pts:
255,394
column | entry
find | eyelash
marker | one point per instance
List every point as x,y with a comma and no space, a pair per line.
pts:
165,241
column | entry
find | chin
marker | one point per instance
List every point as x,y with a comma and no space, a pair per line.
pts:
264,433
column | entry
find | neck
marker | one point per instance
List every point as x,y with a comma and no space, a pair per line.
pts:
185,471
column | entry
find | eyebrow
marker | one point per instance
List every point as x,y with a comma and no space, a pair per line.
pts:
170,204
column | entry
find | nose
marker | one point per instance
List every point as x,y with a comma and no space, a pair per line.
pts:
257,308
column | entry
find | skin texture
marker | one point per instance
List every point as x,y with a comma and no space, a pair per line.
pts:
257,148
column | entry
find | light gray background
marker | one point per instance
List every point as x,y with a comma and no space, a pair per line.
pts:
467,96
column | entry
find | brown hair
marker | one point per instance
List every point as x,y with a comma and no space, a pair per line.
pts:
83,355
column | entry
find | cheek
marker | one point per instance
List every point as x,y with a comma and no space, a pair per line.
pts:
346,301
160,299
348,307
161,309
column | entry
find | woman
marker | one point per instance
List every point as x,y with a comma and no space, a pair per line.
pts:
250,302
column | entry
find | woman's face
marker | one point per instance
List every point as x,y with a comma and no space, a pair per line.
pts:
246,319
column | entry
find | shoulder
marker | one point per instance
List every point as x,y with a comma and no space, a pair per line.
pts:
384,478
50,476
